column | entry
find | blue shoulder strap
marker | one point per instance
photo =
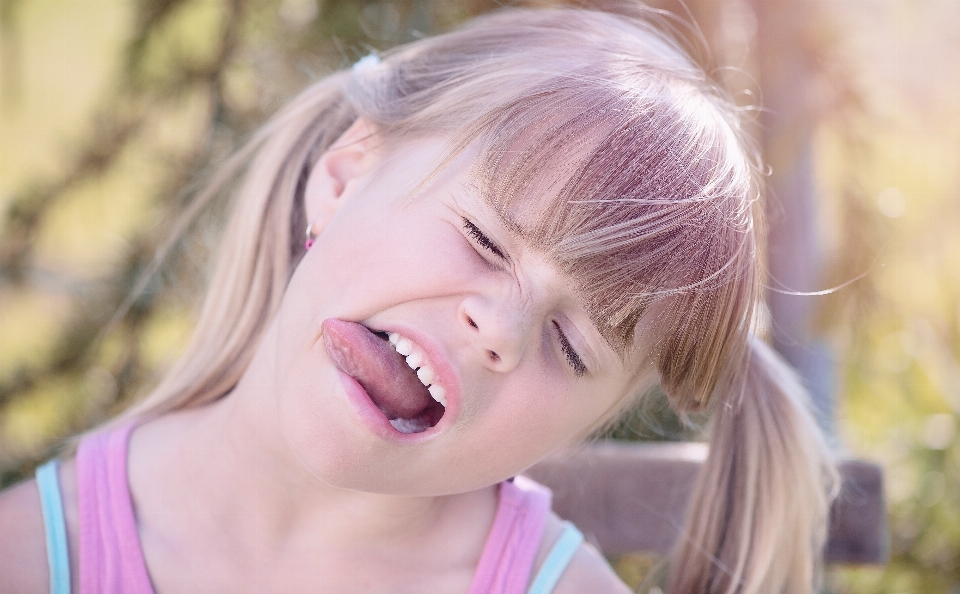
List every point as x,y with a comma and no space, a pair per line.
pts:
55,527
557,560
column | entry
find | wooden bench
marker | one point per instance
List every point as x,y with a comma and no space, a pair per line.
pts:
631,497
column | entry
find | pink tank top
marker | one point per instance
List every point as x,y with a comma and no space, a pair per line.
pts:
111,561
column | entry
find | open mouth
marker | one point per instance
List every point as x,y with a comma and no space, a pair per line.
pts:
392,370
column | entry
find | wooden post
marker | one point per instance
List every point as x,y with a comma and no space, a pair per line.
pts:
786,57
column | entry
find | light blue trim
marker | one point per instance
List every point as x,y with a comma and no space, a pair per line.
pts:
557,560
55,527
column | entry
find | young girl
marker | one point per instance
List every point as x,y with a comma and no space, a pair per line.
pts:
512,231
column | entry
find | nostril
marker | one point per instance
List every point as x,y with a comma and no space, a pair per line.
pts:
472,323
494,357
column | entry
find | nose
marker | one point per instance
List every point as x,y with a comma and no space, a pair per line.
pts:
495,329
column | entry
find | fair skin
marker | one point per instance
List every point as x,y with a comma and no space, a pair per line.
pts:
295,482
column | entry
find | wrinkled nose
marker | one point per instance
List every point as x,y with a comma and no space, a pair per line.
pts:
495,329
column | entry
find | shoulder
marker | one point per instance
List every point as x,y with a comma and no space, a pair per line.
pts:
588,571
23,546
23,550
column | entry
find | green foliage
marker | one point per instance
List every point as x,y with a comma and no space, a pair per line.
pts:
900,336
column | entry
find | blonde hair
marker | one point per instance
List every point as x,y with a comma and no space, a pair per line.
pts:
655,207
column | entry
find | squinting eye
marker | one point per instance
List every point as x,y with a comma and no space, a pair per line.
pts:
484,241
572,357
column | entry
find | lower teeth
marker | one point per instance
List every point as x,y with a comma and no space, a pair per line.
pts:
410,425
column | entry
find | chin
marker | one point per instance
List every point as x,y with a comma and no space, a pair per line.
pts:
339,460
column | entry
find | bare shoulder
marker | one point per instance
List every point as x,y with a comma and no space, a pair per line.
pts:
588,571
23,550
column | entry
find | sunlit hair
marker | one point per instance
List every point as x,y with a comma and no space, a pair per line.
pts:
644,189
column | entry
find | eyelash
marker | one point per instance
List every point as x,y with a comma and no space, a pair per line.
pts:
484,241
572,357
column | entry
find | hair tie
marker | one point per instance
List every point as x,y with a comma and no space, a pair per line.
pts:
366,64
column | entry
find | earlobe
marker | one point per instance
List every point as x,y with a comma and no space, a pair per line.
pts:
333,175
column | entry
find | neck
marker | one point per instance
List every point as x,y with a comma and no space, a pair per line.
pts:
227,470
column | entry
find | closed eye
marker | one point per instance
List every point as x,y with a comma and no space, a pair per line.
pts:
482,240
572,357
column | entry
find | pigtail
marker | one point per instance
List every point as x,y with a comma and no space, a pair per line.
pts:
262,245
757,519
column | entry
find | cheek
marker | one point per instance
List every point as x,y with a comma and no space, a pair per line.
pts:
303,399
373,263
316,425
563,416
537,416
311,417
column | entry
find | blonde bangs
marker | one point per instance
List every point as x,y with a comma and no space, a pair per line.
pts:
638,206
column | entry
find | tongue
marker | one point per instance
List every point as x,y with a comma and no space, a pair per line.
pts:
381,370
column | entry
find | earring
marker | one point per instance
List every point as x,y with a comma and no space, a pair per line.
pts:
311,238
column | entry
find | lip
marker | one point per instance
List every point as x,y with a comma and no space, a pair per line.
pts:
371,414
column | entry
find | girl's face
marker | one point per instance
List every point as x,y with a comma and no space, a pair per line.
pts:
523,369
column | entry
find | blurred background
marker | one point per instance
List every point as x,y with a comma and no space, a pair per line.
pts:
113,111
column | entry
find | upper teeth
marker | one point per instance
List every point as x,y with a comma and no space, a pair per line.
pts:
416,361
404,347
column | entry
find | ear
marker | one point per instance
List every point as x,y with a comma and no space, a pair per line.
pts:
336,171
